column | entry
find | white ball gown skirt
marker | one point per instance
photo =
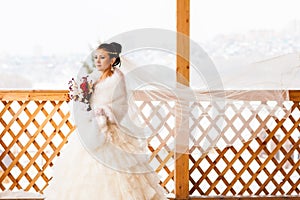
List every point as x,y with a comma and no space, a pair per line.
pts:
79,176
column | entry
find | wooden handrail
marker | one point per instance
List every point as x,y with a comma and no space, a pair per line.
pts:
246,95
291,95
26,95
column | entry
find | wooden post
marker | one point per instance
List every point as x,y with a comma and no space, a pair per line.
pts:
183,53
183,42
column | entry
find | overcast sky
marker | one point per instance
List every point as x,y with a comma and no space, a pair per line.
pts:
69,26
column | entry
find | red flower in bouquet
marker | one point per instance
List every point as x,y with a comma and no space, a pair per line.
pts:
82,93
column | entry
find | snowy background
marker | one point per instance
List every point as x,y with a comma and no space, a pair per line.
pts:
43,44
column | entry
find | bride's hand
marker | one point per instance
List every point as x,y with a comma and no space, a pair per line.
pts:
105,111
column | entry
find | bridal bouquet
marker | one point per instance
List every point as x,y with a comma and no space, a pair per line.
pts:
82,91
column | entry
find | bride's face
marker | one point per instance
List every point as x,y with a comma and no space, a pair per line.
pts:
102,60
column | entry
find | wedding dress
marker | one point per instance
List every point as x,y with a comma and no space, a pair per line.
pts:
102,161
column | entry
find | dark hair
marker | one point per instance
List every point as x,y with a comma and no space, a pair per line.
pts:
114,49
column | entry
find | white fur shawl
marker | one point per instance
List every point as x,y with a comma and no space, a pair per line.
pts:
109,95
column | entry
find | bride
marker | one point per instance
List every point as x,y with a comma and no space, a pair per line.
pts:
104,161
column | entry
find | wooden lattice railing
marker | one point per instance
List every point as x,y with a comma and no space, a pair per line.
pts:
34,126
264,158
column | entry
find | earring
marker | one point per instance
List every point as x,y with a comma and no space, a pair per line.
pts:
112,68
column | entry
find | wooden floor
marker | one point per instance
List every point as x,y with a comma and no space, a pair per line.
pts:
283,197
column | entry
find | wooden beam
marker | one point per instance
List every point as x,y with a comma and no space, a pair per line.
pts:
181,174
28,95
234,95
140,95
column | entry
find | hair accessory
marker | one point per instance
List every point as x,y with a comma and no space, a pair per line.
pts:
114,53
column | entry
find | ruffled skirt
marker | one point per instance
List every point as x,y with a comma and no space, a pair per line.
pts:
80,176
